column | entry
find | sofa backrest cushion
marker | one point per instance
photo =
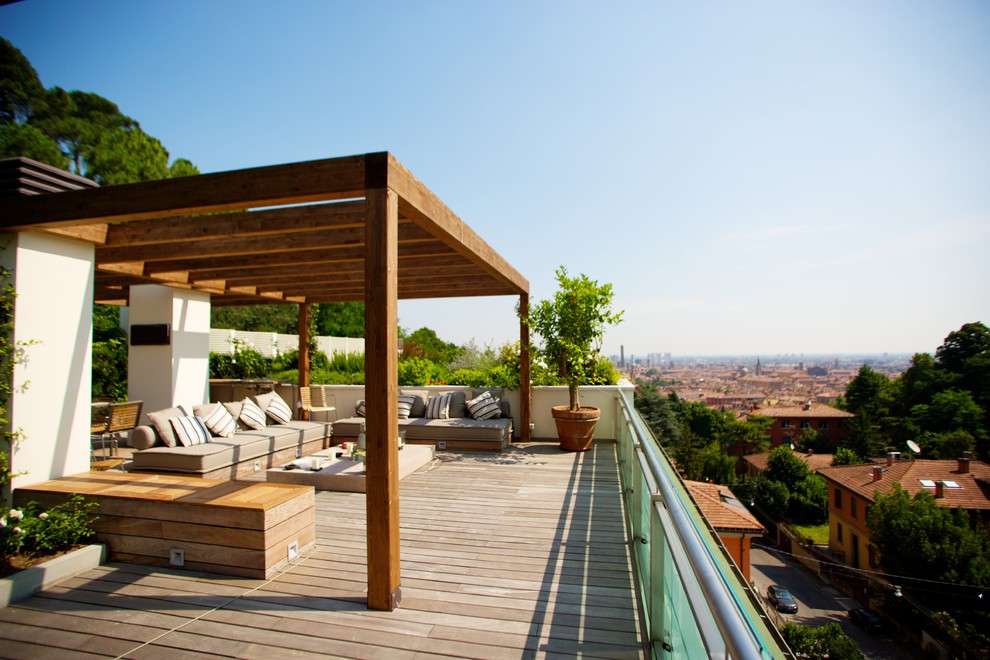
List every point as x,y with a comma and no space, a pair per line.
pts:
159,420
264,400
458,404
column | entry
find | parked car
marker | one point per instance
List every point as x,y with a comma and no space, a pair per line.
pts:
866,619
782,599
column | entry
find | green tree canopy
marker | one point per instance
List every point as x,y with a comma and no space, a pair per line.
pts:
20,86
919,538
93,137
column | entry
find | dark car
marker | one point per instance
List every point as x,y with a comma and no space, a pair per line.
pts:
865,619
782,599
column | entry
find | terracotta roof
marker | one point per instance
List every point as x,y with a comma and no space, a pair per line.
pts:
973,492
723,510
816,410
814,461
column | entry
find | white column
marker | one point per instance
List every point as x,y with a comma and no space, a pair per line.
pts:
53,322
178,373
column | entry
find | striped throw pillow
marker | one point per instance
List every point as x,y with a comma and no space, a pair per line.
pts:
279,410
190,431
220,423
484,406
361,409
406,402
252,415
439,406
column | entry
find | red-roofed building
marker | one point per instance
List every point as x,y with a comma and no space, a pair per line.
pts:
790,421
734,525
962,483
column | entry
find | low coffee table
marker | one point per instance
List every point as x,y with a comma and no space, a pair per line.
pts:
346,475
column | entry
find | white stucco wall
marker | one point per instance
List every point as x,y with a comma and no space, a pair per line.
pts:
176,374
53,277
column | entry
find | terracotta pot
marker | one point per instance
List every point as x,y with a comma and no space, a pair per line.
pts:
575,429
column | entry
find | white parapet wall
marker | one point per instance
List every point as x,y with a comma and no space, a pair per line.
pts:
345,398
53,324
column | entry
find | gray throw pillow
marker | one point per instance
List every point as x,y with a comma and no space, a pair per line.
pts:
160,420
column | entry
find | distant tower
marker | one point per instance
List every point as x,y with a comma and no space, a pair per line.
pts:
622,356
759,370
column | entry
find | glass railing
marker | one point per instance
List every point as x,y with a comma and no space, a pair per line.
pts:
696,603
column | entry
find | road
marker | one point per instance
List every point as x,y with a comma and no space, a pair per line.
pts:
818,603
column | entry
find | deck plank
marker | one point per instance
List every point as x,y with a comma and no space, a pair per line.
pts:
519,555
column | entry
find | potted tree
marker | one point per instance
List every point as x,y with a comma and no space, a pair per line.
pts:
570,327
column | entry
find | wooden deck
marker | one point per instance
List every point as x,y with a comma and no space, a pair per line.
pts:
522,554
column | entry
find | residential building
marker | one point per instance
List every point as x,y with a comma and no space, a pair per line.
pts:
962,483
734,525
790,421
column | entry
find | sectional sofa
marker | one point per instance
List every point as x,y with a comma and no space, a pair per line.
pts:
428,418
165,445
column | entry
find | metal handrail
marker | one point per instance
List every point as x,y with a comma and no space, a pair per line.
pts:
741,638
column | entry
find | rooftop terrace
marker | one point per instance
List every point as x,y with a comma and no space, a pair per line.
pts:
522,554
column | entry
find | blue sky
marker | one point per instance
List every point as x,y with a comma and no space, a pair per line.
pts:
752,177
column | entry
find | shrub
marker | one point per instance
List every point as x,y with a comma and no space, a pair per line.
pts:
34,531
420,371
110,370
244,362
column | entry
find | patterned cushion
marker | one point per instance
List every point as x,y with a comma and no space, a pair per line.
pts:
361,410
406,402
279,410
484,406
439,406
190,430
220,423
252,415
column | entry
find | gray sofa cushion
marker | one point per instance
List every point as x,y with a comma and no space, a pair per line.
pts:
419,406
223,452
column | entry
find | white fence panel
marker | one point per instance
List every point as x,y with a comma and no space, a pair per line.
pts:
266,343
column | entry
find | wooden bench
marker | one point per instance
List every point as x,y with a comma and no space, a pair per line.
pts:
249,529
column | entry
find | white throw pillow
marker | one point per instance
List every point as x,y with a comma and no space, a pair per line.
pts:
279,410
190,431
484,406
220,423
252,415
438,406
406,402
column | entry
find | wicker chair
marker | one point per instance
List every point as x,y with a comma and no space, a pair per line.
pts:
99,424
110,420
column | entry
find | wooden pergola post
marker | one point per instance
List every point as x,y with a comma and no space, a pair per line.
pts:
304,351
382,397
525,385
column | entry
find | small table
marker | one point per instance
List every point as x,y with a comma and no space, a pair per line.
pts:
343,474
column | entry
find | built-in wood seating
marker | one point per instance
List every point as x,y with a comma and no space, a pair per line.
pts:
249,529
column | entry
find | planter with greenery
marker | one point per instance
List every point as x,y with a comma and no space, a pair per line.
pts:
570,327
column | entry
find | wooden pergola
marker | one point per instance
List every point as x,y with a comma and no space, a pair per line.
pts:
342,229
